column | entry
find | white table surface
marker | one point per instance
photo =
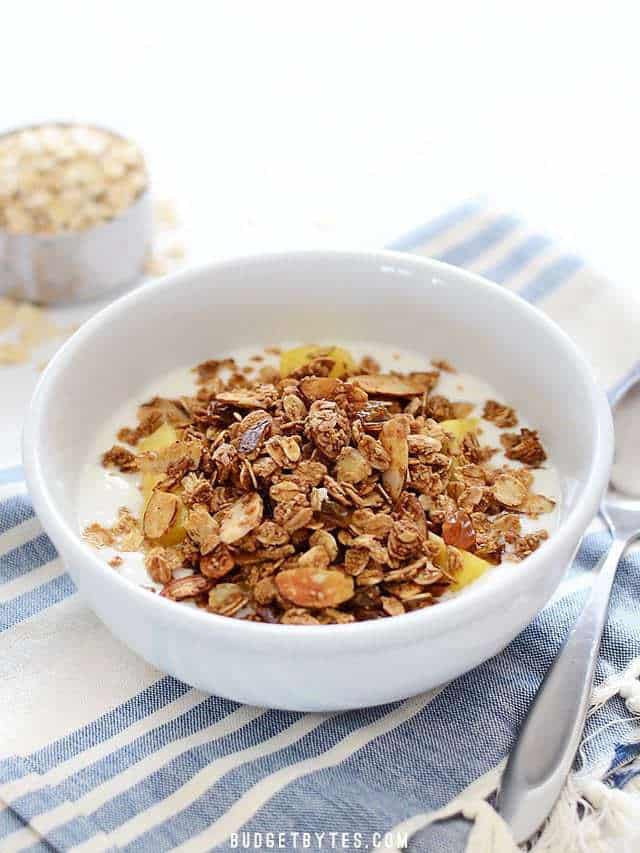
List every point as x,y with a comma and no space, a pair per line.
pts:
288,124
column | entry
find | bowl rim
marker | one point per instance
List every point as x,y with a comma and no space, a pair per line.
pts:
394,631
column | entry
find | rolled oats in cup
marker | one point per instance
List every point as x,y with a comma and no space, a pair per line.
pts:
75,213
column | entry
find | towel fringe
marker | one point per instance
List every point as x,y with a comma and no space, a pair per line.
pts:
590,815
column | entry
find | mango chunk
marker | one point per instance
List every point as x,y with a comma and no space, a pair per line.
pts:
472,567
161,438
294,359
459,427
177,531
149,482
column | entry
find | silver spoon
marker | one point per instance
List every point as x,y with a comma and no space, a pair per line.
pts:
548,741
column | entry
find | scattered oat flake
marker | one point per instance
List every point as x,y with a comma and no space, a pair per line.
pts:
12,353
27,327
156,265
175,252
8,310
164,213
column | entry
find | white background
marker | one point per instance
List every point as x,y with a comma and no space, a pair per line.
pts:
290,124
282,123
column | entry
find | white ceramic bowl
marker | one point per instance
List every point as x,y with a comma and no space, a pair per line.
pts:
383,297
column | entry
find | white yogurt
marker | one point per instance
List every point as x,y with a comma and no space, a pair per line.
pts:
102,491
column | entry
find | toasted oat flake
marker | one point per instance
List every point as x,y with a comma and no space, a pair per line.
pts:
351,466
509,491
227,598
188,587
535,505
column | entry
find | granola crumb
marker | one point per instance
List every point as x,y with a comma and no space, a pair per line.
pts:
164,213
98,536
500,414
443,364
524,447
121,458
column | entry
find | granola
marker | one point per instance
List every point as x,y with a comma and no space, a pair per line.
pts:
325,492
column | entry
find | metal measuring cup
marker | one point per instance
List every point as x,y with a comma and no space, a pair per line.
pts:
76,265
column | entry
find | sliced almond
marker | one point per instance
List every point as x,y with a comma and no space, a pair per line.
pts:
244,516
393,437
319,387
160,514
388,385
509,491
307,586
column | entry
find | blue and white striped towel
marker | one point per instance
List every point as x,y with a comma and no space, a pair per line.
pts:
101,752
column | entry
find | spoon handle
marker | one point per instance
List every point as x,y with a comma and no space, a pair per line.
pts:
546,746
